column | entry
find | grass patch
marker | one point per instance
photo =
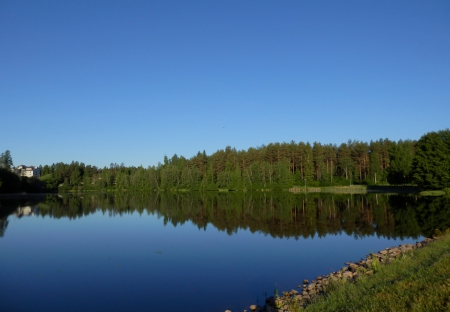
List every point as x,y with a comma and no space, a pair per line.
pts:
354,189
417,281
432,193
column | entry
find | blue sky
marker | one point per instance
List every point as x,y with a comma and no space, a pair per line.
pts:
131,81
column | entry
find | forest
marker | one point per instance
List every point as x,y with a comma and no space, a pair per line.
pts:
276,166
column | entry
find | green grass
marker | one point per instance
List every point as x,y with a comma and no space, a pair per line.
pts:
353,189
432,193
417,281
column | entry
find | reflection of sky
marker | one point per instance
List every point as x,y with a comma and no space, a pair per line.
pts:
134,262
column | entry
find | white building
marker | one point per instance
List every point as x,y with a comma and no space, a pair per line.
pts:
27,171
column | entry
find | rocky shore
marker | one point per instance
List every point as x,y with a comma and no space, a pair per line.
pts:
309,290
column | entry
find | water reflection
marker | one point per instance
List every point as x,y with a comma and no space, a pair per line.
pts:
18,206
280,215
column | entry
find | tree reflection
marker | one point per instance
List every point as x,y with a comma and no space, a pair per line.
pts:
280,215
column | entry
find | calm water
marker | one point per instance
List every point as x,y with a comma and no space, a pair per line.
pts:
181,252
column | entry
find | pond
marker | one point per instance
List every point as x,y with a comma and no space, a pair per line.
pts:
191,252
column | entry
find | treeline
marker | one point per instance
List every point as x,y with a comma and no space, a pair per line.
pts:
273,167
280,215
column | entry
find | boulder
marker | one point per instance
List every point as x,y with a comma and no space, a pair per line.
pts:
347,275
311,286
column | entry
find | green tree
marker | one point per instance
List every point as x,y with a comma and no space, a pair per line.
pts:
6,160
75,177
400,159
50,183
431,164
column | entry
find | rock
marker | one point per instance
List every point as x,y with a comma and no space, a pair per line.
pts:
353,267
347,275
311,286
312,289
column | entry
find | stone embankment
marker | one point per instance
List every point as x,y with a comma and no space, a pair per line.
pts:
351,271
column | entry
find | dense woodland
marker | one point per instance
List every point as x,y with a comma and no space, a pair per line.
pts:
275,166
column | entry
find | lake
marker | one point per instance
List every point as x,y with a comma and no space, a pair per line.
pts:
191,251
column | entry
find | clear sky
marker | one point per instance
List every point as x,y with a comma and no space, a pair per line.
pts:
105,82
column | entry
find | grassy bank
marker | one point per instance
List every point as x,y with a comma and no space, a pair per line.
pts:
417,281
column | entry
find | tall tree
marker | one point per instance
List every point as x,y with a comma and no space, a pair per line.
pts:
400,159
6,160
431,164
